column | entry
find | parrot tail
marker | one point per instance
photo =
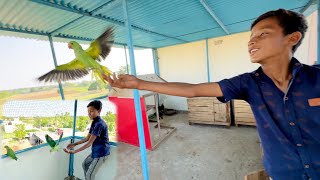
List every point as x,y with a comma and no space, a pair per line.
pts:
97,74
105,70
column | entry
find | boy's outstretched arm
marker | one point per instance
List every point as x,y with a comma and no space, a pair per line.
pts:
72,145
170,88
88,144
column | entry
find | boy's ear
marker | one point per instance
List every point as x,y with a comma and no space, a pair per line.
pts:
99,111
294,38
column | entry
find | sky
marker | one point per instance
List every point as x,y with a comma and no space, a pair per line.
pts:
23,60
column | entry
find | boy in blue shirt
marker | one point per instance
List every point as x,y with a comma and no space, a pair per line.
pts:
97,138
283,94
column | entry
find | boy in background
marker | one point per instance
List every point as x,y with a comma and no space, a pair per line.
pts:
97,138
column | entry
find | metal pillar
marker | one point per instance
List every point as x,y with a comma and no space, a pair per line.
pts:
208,60
136,95
125,53
55,65
155,62
71,160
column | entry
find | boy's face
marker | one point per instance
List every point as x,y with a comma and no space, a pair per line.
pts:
93,112
267,41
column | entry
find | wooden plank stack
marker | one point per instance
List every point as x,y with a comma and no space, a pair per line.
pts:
257,175
208,110
243,113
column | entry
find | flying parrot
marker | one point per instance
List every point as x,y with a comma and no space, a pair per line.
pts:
11,153
85,61
54,145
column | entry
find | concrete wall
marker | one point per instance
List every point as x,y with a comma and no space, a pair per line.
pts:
39,164
307,52
36,164
228,57
182,63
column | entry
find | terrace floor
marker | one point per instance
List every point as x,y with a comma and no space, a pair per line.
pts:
203,152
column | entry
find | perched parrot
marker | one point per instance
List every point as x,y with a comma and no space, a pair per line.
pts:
54,145
11,153
85,61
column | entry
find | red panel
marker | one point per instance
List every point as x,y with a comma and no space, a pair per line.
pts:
127,130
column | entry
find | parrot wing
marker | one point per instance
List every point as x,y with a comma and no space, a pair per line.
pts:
11,153
60,139
50,141
100,48
70,71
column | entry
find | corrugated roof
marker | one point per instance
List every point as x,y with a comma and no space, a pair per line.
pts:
155,23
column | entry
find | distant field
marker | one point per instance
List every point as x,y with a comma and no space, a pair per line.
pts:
70,93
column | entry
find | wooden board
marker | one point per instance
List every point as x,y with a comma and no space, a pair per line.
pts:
243,113
208,110
257,175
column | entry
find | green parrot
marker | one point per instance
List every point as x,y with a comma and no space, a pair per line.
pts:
54,145
85,61
11,153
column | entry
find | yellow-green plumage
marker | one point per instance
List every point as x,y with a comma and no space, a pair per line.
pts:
85,61
53,144
11,153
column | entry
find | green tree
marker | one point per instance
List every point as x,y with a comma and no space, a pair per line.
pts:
82,123
20,132
64,120
37,122
68,121
33,89
45,122
110,119
41,122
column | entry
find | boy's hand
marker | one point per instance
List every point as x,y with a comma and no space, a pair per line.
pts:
122,81
69,151
66,150
70,146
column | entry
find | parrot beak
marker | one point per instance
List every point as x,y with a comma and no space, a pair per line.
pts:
69,46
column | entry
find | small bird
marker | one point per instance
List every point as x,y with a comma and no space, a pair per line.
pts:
85,61
54,145
11,153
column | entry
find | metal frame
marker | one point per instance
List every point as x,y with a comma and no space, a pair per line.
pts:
155,61
125,54
105,18
208,61
159,126
214,16
308,5
42,33
137,103
91,12
71,160
55,65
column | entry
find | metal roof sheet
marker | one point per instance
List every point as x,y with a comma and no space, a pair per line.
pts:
155,23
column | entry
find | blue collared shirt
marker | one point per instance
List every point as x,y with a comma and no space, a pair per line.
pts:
101,145
288,123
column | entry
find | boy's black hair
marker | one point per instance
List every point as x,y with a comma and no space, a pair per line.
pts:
96,104
290,22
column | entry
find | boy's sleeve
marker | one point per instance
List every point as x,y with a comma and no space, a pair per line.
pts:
97,129
233,88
